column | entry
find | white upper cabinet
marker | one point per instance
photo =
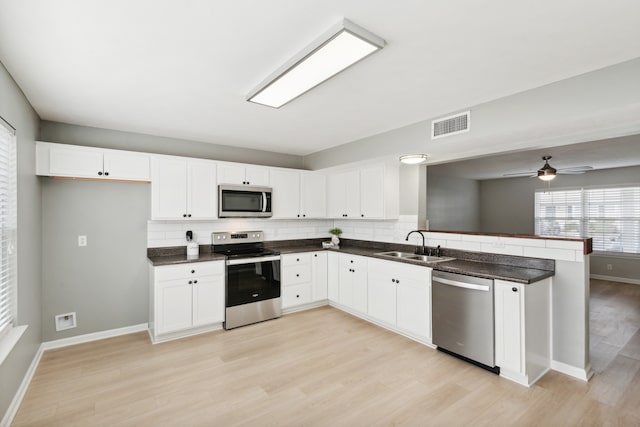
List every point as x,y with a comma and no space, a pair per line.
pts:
313,194
285,198
183,189
241,174
344,195
367,193
88,162
298,194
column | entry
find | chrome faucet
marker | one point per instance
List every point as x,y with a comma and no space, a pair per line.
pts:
419,250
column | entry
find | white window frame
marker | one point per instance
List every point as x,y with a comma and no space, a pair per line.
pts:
10,333
580,199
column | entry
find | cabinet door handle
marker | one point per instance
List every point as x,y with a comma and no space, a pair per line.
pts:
100,173
514,289
191,282
351,261
248,182
193,271
362,215
315,255
297,259
393,280
297,275
298,215
184,215
106,174
195,281
189,215
304,216
297,296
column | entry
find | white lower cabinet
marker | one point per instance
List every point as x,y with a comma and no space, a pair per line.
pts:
186,298
399,295
333,276
352,282
523,329
304,279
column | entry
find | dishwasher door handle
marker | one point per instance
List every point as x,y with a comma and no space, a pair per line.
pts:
483,288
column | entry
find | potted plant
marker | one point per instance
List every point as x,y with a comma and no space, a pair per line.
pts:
335,236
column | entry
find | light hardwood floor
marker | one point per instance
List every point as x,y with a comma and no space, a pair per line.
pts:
324,367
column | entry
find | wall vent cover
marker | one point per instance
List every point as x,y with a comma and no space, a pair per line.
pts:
451,125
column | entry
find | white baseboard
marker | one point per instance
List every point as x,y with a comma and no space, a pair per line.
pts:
615,279
581,374
12,410
64,342
157,339
304,307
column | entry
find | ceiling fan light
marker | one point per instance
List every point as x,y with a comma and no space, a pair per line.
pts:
414,159
547,172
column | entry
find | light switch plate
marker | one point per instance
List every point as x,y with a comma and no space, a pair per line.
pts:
82,240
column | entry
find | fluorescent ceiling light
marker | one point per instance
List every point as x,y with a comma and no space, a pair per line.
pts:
414,159
336,50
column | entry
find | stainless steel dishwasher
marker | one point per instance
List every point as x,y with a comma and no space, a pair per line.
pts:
463,317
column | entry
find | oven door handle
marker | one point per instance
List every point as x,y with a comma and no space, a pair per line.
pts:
253,260
461,284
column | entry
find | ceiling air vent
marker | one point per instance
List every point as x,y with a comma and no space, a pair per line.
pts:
451,125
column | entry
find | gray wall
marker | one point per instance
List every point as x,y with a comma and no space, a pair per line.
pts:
452,203
507,206
409,185
106,282
15,108
64,133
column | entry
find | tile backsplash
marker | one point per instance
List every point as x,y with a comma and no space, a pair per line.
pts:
172,233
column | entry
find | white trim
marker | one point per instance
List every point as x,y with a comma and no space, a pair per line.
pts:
170,336
615,279
95,336
12,410
303,307
9,340
581,374
417,338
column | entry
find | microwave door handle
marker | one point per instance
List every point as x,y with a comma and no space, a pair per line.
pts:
264,201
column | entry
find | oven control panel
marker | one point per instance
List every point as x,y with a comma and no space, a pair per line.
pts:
236,237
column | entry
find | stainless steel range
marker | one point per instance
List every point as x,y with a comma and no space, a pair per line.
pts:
252,277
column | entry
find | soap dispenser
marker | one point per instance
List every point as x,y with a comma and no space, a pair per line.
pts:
193,250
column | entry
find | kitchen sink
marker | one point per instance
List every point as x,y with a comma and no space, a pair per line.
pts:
415,257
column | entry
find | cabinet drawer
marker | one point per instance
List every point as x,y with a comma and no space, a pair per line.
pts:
296,274
296,259
185,271
296,295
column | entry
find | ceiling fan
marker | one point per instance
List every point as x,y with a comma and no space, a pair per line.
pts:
548,172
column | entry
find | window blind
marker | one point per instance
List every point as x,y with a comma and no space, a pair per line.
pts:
8,226
559,213
610,215
613,218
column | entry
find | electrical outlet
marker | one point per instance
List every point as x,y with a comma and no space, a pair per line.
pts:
609,267
82,240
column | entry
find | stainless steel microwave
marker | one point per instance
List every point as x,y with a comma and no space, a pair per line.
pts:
246,201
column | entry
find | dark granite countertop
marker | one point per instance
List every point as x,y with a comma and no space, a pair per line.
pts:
519,269
492,266
178,255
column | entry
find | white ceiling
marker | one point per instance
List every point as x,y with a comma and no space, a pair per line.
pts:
183,68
